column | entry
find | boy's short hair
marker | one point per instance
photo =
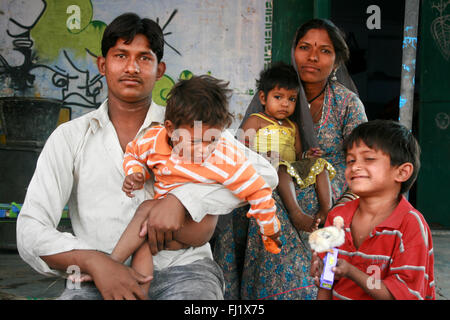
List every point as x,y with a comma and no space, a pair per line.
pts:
200,98
127,26
392,138
279,75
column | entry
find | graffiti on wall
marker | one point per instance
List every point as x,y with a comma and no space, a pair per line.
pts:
80,36
440,29
48,48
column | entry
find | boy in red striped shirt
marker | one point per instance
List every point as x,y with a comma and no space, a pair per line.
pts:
190,148
388,249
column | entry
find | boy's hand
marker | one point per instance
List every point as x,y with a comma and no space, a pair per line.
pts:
134,181
314,153
316,268
342,269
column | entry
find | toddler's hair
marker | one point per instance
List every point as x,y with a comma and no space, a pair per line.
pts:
392,138
200,98
279,75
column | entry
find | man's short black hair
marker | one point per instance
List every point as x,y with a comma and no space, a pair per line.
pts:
279,75
392,138
127,26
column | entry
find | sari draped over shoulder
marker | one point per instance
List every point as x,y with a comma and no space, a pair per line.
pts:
251,272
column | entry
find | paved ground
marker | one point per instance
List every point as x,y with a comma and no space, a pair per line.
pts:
19,281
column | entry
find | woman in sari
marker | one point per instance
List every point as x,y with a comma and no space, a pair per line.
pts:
327,111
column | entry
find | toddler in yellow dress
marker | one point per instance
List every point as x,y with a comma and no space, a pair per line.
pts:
273,135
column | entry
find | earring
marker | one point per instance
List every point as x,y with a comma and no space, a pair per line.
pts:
334,78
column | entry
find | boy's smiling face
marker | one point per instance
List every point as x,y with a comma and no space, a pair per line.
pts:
369,171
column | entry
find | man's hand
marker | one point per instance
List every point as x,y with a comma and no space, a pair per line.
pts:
166,217
134,181
116,281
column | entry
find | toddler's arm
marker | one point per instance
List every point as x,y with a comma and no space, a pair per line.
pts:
132,161
134,181
245,183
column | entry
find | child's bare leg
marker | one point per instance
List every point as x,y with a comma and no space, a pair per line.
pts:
130,240
142,262
323,190
286,189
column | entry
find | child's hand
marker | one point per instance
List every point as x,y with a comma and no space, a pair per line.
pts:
315,224
314,153
302,221
134,181
342,269
316,268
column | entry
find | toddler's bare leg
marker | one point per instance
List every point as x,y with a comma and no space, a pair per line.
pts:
323,190
286,189
130,240
143,263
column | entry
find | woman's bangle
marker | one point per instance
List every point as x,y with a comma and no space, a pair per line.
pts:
304,155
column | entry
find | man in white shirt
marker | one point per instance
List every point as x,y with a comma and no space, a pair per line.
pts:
81,164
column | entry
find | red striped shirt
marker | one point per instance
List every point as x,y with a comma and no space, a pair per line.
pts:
400,250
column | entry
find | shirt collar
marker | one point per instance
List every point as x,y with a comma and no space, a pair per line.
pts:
396,217
100,117
392,222
155,114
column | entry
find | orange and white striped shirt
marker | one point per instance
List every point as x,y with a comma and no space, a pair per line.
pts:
226,165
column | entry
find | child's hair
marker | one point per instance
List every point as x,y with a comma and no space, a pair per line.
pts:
201,98
127,26
279,75
392,138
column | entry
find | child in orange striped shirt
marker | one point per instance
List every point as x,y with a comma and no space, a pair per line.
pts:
190,148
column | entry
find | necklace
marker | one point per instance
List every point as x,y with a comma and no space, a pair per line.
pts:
280,122
321,107
309,101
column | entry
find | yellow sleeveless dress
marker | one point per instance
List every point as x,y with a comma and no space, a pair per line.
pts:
281,139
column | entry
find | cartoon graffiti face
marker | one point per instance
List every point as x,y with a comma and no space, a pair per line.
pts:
131,70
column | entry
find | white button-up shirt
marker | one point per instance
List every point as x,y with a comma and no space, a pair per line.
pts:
81,165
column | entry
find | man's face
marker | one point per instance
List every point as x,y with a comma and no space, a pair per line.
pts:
131,70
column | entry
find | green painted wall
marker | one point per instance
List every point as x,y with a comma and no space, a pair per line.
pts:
288,15
434,129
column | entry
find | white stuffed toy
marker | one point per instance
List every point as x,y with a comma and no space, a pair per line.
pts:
329,237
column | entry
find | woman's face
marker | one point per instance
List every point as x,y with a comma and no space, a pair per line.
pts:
315,56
